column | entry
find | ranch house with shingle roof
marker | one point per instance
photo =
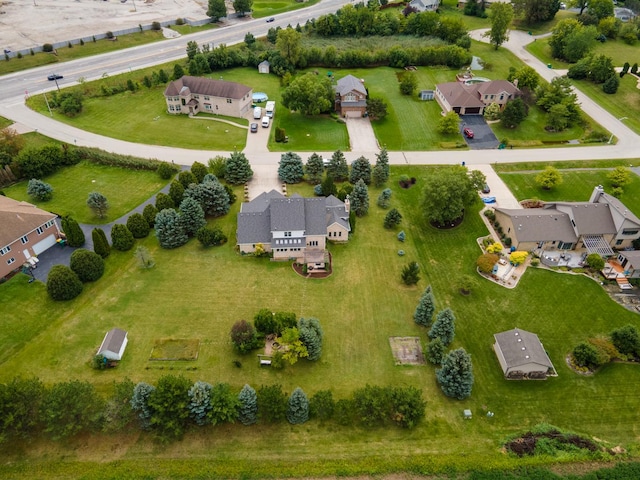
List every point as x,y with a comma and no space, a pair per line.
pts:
292,228
471,99
192,95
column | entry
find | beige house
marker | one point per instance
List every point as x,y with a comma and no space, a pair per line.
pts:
599,225
471,99
193,95
425,5
293,228
351,97
25,232
521,355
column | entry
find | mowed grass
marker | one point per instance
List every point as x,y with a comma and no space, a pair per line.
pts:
266,8
576,186
195,293
72,185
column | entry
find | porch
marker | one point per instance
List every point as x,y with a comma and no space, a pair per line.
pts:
563,258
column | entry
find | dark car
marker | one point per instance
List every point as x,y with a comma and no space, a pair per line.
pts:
486,189
467,132
270,19
254,127
54,76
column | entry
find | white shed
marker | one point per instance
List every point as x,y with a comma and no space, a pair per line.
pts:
263,67
114,344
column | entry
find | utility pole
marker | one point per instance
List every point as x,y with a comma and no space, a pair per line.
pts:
47,102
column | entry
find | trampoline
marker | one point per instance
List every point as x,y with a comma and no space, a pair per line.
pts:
259,97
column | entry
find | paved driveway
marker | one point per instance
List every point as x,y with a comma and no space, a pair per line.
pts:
361,136
483,136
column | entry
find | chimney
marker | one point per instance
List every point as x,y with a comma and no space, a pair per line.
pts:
597,191
515,82
347,204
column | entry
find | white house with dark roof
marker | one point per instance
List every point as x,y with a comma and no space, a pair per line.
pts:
471,99
114,344
25,232
425,5
292,228
192,95
351,97
598,226
630,263
522,355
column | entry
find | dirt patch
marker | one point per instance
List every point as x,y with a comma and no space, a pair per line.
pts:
407,350
526,444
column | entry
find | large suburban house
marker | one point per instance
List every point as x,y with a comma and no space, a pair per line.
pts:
521,355
25,232
351,97
472,98
192,95
114,344
598,226
425,5
293,228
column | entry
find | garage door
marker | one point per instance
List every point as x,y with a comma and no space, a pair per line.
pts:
42,245
472,111
353,114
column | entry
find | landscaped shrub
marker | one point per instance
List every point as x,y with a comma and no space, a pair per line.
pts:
88,265
39,190
121,238
384,199
163,202
186,178
176,192
595,261
47,48
63,283
199,170
138,226
145,260
322,405
149,213
486,262
100,243
401,236
585,355
211,236
73,232
494,248
169,229
244,337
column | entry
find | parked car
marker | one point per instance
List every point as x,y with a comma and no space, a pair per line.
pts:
254,128
54,76
486,188
270,19
467,132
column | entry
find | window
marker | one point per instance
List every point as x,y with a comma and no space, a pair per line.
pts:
10,261
229,100
207,106
573,222
40,230
5,250
339,234
24,239
349,97
196,97
630,231
618,242
206,97
287,234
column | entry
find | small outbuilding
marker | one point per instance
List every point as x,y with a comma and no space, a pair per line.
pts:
263,67
114,344
522,355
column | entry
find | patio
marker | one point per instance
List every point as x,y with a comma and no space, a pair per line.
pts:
563,258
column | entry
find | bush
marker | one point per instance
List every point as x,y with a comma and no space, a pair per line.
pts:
163,202
88,265
626,340
149,213
322,405
585,355
401,236
156,26
166,170
73,232
39,190
611,84
47,48
100,243
244,337
486,262
121,238
138,226
63,283
211,236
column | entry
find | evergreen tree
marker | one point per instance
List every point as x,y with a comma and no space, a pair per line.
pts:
381,170
392,218
311,337
73,232
186,178
98,203
444,326
121,237
211,236
360,199
176,192
456,375
237,169
248,410
290,169
164,201
272,403
138,226
435,351
63,283
88,265
200,402
178,71
314,169
411,273
169,229
100,243
328,187
199,171
298,411
212,197
384,199
39,190
338,167
191,216
425,309
149,213
360,170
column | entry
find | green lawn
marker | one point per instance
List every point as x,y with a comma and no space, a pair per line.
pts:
359,306
72,185
618,50
266,8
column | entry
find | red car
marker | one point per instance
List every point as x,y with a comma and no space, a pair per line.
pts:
467,132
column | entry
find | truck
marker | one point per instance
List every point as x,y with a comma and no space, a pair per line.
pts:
257,113
270,109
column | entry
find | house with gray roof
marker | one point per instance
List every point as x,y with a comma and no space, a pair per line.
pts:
25,232
472,98
114,344
351,97
630,263
599,226
425,5
292,228
193,95
522,355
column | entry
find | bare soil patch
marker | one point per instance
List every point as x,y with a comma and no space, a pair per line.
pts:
407,350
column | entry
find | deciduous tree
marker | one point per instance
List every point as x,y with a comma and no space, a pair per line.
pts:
620,176
242,6
549,178
224,404
447,192
272,403
309,94
288,44
169,404
448,124
514,113
456,375
69,408
376,108
595,261
118,413
500,16
20,402
243,336
322,405
211,236
626,340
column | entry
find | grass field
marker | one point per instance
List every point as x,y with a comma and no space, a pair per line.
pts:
72,185
359,307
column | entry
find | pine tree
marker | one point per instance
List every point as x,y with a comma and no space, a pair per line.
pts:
381,170
212,197
311,337
314,169
200,402
199,171
191,216
73,232
176,192
435,351
140,403
338,167
425,309
456,375
164,201
186,178
138,226
237,169
360,170
100,243
328,187
149,213
392,218
444,326
411,273
121,237
360,199
248,411
169,229
98,203
384,199
298,411
290,168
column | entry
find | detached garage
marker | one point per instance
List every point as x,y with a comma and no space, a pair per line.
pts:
114,344
522,355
